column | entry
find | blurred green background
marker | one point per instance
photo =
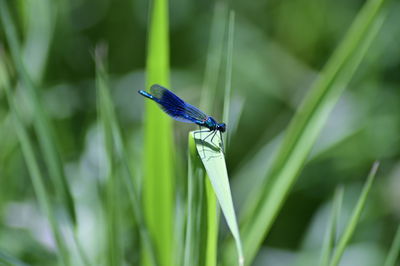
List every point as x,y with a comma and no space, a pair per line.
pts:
279,49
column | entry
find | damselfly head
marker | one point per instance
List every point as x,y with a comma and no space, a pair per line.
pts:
221,127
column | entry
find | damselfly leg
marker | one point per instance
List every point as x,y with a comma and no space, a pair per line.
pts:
199,132
212,134
222,142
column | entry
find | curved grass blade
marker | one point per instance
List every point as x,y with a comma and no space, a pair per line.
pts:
158,180
214,162
352,224
42,124
261,211
394,250
330,236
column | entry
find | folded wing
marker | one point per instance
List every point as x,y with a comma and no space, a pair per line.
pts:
176,107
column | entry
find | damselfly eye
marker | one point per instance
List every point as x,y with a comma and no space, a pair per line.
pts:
222,127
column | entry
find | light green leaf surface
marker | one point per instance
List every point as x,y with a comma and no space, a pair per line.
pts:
356,215
158,178
261,210
214,162
394,250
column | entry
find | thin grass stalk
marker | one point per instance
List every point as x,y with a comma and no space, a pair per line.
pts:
41,121
36,69
36,177
212,225
330,237
228,75
194,251
118,148
214,57
113,249
356,214
394,250
188,256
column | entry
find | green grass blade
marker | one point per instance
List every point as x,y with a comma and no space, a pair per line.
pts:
214,57
41,121
214,162
81,251
394,250
260,213
228,74
158,180
38,180
356,214
330,236
212,225
116,148
7,260
113,249
196,224
39,34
